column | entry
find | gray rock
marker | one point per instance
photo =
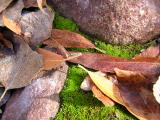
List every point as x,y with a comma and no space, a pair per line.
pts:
38,101
115,21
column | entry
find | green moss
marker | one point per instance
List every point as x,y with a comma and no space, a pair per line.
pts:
125,51
64,23
79,105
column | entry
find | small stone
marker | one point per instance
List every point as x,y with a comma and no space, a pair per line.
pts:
86,85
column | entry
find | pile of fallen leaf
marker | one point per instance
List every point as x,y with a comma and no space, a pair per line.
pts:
33,77
127,82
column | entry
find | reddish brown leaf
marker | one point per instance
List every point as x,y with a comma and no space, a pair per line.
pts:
68,40
137,96
61,50
106,63
129,76
134,84
153,51
51,59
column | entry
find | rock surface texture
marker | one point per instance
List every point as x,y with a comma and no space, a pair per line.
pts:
115,21
38,101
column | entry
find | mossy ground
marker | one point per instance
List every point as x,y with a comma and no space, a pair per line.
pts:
79,105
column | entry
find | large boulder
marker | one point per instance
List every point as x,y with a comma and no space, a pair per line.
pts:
115,21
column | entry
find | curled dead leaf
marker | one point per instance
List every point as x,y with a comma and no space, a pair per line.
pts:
136,97
87,84
101,82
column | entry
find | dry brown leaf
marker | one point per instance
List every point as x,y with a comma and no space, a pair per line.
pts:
101,97
98,93
137,98
152,51
68,40
61,50
51,59
133,77
107,86
12,15
106,63
19,68
12,25
134,85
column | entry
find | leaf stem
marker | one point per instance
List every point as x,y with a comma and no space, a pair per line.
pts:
2,96
100,50
80,66
74,56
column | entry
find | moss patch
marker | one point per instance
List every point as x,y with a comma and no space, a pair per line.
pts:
64,23
79,105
